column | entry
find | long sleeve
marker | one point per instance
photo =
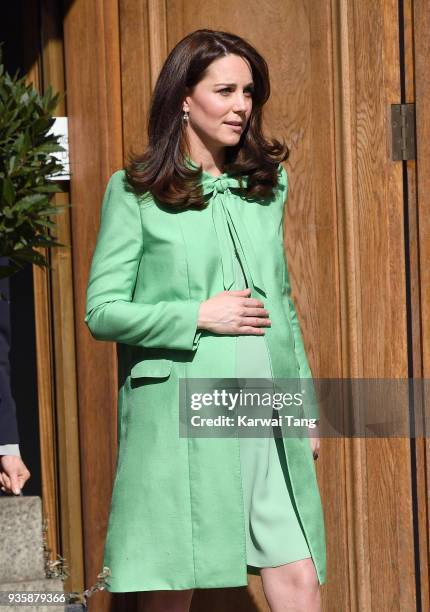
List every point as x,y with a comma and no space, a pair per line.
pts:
311,407
111,313
8,423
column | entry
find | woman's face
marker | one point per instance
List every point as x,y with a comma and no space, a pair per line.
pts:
222,97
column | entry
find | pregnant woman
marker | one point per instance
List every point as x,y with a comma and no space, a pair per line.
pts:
189,278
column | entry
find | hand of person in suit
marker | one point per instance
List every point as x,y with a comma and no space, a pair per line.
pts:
13,474
233,312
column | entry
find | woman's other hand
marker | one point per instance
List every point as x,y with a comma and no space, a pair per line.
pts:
314,440
233,312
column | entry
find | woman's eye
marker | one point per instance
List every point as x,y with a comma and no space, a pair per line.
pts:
227,90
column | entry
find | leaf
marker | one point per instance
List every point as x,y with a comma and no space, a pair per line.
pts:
30,200
8,191
45,223
12,161
48,187
50,148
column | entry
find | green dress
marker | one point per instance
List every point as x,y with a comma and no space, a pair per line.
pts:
274,535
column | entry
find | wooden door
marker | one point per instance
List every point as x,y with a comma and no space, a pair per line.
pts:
356,236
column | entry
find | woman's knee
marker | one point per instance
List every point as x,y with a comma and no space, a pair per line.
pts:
300,575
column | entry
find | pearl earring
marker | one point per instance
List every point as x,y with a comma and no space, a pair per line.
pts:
186,116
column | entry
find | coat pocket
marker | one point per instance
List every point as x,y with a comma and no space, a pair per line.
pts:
152,368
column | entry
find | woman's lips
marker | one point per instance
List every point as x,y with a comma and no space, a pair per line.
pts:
235,126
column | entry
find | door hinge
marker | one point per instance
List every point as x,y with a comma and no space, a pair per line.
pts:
403,131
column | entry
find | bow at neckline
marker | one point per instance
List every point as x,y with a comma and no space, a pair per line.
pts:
227,215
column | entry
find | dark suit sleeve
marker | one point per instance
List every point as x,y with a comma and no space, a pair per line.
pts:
8,424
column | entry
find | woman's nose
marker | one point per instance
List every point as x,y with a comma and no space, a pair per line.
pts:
240,102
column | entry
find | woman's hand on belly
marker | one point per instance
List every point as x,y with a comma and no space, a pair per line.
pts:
233,312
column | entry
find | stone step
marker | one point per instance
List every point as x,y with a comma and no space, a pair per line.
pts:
21,542
22,562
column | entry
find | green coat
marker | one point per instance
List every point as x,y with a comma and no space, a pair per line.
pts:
177,516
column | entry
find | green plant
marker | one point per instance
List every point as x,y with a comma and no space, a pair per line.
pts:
60,569
27,170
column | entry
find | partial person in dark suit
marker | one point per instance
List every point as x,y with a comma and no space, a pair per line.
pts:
13,472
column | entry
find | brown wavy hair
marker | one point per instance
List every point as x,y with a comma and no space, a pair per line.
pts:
161,169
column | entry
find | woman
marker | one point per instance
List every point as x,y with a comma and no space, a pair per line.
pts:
189,278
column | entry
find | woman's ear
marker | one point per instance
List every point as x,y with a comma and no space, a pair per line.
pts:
185,103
